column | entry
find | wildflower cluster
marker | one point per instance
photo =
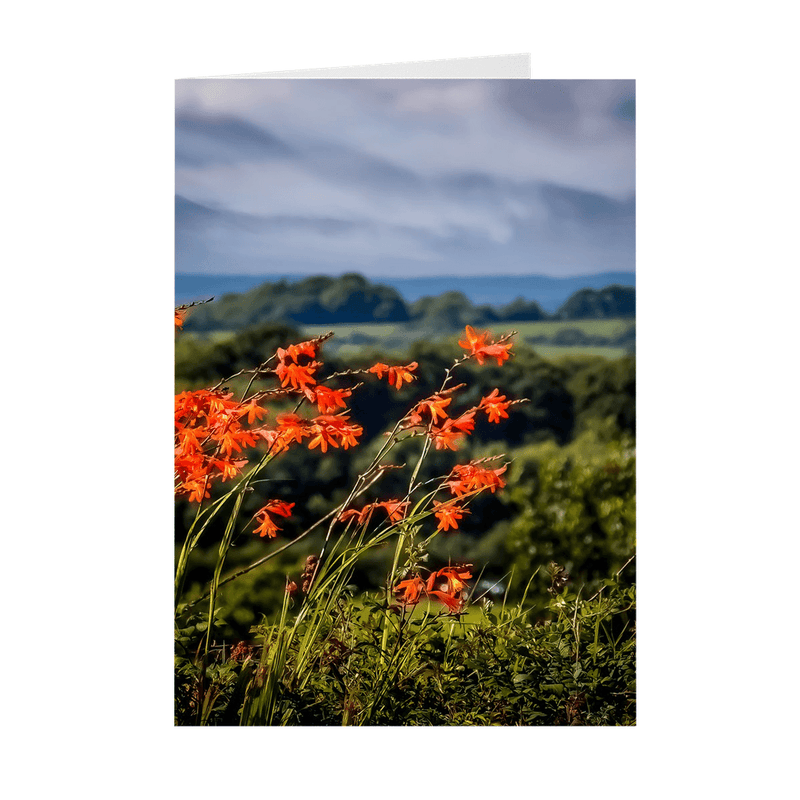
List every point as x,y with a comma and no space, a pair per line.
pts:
431,417
209,429
214,432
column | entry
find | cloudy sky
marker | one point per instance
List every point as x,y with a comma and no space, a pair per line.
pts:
404,177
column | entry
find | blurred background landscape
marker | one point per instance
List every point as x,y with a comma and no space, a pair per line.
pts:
394,213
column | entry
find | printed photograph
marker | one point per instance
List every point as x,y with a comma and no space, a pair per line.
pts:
405,402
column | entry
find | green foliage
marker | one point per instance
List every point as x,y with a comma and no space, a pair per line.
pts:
605,390
575,505
575,665
613,301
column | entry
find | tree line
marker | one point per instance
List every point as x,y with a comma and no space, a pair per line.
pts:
352,298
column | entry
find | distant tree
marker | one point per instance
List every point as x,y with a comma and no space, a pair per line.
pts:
613,301
606,390
522,310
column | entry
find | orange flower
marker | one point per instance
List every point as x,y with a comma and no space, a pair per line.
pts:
291,372
448,514
474,341
294,351
292,427
190,440
477,345
208,417
465,423
495,405
468,478
295,375
329,400
450,579
362,516
454,604
197,489
396,375
434,406
267,526
180,316
229,469
408,592
498,351
253,411
399,374
233,439
378,369
395,509
327,429
280,508
445,437
277,440
447,586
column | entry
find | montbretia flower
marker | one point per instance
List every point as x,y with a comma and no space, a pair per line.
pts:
267,526
328,400
434,406
294,351
395,509
378,369
450,579
289,369
335,431
447,586
228,469
409,591
197,489
468,478
465,423
292,427
495,405
445,437
448,514
395,375
295,376
253,411
362,515
478,346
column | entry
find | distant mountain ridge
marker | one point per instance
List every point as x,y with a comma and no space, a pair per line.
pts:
352,298
495,290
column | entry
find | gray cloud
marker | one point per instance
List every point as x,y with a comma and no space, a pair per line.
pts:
407,177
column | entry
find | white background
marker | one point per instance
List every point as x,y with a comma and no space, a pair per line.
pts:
88,207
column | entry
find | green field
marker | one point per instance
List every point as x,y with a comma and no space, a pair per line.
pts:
555,353
591,327
351,339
